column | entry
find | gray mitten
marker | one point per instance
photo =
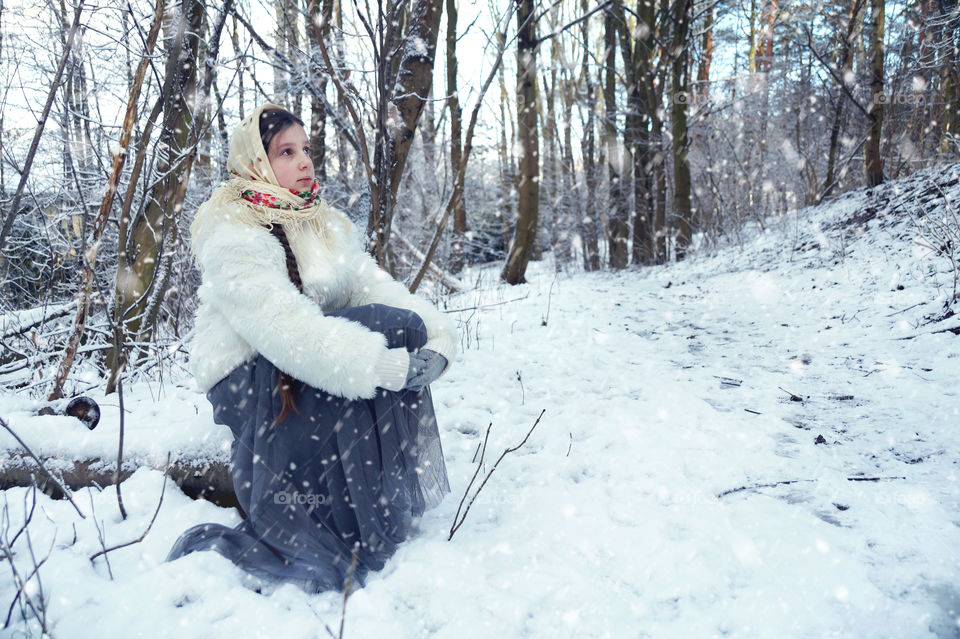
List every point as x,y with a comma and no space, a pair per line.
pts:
425,367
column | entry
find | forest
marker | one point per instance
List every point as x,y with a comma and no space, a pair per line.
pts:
702,258
609,135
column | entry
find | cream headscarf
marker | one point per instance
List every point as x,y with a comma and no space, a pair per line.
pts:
250,171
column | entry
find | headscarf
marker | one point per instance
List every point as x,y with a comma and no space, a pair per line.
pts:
253,195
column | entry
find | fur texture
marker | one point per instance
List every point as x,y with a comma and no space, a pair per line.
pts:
248,305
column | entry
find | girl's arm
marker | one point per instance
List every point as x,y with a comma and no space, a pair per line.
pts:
373,285
245,277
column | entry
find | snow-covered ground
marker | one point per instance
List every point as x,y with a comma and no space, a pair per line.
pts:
665,389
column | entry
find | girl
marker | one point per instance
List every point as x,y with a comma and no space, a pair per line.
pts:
319,362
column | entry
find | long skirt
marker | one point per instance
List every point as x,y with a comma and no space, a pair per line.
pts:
334,478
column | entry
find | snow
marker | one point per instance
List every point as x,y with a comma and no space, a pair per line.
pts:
664,388
16,322
417,46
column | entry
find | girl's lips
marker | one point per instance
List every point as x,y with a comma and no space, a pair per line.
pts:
305,180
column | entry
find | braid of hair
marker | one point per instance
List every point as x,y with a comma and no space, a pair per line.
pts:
285,381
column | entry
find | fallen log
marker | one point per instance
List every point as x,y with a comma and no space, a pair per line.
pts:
199,479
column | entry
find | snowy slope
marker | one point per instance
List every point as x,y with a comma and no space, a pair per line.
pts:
664,388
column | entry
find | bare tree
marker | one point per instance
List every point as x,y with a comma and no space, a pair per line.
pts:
873,160
456,151
679,84
618,226
528,193
591,253
403,90
320,18
148,241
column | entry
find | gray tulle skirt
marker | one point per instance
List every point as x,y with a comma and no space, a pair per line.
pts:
333,476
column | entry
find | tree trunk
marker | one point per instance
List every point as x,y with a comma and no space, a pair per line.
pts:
591,253
951,90
413,80
508,179
845,64
428,137
678,122
763,62
637,62
570,208
320,17
285,36
546,109
146,252
873,160
655,80
528,192
618,227
706,56
456,150
77,140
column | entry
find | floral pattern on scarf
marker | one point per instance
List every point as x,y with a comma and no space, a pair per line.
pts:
271,201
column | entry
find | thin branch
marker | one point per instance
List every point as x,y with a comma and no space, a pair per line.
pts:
462,169
575,22
457,524
290,66
46,472
826,65
149,526
786,482
54,85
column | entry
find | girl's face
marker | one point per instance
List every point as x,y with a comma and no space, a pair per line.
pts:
289,157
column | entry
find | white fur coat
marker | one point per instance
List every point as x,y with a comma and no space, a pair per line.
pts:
248,305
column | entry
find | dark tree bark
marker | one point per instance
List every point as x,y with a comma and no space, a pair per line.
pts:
845,63
3,183
528,192
591,252
403,95
618,227
873,160
637,53
508,178
456,150
950,71
320,18
678,121
155,229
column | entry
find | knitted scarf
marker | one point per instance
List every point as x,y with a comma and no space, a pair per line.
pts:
271,201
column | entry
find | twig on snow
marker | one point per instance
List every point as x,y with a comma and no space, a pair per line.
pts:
346,591
457,520
149,526
795,481
793,396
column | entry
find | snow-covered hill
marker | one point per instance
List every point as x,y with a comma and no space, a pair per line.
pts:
759,442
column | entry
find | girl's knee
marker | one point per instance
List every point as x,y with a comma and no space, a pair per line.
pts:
401,326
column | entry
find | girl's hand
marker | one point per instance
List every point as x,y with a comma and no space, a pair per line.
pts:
425,367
